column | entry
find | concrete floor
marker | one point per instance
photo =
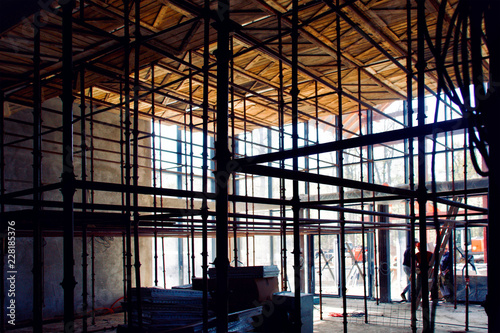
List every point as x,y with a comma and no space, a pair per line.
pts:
382,318
394,317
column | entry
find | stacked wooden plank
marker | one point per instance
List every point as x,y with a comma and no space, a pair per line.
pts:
250,272
168,308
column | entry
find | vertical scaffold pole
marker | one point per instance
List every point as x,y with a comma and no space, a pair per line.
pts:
68,176
246,183
92,272
191,164
137,262
153,145
360,121
91,106
234,188
297,321
124,258
37,183
466,240
127,167
411,178
320,251
281,119
204,203
365,298
83,146
492,119
2,209
223,172
421,190
340,166
122,179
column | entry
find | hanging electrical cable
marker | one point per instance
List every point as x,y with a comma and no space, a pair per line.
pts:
463,39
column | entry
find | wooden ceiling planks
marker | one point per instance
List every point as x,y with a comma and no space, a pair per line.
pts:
256,70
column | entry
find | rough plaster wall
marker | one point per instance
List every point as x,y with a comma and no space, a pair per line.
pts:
19,160
108,251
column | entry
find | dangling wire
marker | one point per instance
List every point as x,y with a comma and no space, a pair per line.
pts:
466,52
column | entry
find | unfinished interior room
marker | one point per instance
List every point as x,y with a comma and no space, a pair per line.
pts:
249,165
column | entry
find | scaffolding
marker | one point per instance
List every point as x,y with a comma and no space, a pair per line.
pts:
219,75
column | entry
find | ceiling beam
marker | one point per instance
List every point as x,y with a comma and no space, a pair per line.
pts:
327,46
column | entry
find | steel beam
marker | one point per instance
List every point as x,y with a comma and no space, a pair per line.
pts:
366,140
330,180
380,48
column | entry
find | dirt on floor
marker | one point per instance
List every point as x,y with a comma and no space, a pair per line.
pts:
395,317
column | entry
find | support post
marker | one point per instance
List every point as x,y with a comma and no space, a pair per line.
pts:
492,304
311,278
421,190
37,183
340,168
3,221
410,163
365,298
223,172
137,63
320,253
234,187
360,121
153,145
281,119
68,176
466,240
320,250
92,273
127,166
297,320
384,261
204,203
124,258
83,146
191,163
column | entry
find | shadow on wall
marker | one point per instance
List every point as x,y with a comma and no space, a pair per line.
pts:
108,274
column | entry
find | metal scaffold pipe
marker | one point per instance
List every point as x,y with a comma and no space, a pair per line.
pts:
83,145
204,206
222,158
37,184
421,190
135,163
68,176
2,208
297,318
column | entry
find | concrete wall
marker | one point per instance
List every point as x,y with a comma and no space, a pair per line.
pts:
108,250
